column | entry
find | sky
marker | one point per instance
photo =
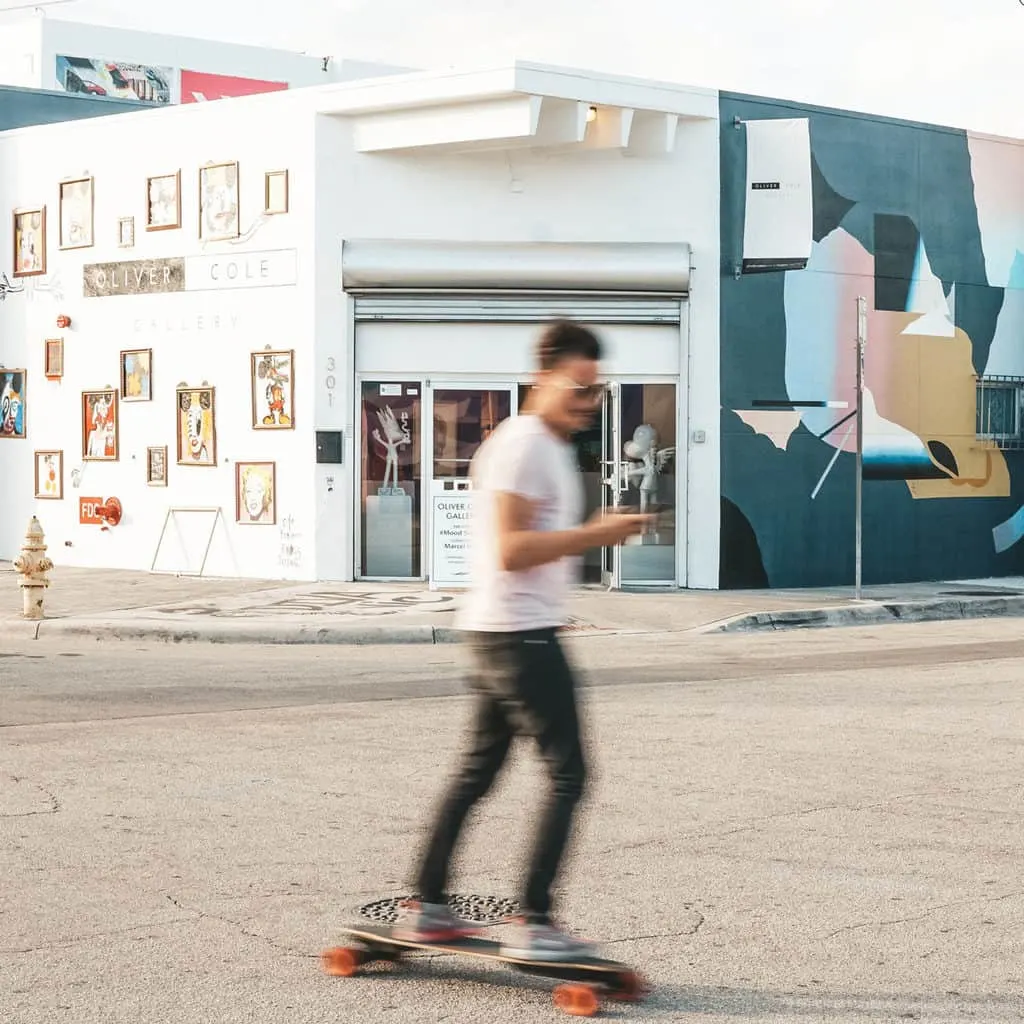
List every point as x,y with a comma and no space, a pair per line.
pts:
953,62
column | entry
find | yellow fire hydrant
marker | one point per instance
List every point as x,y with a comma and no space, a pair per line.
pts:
33,566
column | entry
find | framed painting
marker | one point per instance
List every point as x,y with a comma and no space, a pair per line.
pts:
156,467
76,211
12,404
137,375
163,202
255,493
275,192
272,381
100,426
53,360
30,242
50,475
196,428
218,202
126,232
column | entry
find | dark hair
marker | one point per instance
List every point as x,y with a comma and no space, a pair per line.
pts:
565,339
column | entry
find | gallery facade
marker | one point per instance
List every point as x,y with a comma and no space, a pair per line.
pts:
265,337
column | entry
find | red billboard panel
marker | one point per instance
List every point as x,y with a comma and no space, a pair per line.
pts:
198,86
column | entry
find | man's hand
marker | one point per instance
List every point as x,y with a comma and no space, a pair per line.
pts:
610,528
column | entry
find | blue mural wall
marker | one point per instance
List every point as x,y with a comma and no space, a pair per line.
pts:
928,224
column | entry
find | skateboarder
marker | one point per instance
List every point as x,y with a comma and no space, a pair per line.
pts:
526,539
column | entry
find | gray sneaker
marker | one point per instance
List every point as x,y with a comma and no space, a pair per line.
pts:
431,922
545,942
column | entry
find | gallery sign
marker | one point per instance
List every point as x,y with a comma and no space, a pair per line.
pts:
269,269
450,541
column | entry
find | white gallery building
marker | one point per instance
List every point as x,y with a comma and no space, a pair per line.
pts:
264,337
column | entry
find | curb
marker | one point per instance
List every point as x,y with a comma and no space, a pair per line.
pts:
875,613
244,633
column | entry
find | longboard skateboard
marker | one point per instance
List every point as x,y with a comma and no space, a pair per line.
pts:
583,982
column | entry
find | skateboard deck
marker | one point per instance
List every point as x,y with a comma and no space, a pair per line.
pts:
584,981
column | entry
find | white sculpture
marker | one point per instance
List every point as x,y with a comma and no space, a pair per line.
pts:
646,463
395,435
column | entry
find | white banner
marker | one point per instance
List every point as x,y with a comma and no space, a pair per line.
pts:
269,269
450,539
779,221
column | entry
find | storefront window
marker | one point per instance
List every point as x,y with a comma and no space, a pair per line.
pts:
463,420
390,475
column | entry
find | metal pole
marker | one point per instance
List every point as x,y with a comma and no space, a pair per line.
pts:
862,332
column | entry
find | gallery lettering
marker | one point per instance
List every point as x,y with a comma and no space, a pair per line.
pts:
232,270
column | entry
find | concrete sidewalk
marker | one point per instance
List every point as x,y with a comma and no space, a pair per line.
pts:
122,605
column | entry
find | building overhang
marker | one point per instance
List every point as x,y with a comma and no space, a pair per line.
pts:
521,106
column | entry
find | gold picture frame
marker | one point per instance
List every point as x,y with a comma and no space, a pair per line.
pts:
125,232
101,426
13,404
53,358
272,389
256,493
275,192
76,213
219,216
137,375
29,238
156,466
163,201
49,475
196,428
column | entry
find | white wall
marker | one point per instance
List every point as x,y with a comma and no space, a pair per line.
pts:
20,45
196,336
560,195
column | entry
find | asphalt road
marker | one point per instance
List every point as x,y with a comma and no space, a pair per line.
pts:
820,826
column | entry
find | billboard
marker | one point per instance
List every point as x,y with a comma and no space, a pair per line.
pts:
198,86
121,80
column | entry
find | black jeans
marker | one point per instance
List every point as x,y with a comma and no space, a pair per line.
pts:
524,686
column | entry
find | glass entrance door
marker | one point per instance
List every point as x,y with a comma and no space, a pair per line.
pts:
639,474
464,416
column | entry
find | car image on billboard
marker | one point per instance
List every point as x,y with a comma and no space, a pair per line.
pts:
116,79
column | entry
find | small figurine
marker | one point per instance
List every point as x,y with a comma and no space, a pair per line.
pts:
646,463
395,435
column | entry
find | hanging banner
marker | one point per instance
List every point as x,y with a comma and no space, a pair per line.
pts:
779,223
119,79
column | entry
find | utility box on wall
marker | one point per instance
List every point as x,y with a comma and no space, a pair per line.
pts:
329,446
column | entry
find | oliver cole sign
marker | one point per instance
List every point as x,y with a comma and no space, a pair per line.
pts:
270,269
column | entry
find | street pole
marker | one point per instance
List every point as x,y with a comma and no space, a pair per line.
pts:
862,332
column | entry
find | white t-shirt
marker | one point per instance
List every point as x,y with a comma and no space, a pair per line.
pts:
521,457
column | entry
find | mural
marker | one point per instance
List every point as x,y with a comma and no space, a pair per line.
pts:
928,224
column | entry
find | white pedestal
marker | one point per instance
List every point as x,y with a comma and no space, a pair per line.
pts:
389,542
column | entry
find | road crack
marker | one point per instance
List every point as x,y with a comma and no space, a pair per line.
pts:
55,804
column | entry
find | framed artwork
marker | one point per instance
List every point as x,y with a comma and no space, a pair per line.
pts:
163,202
255,493
100,426
53,360
275,192
197,432
273,390
137,375
12,404
126,232
218,202
50,475
30,242
76,214
156,467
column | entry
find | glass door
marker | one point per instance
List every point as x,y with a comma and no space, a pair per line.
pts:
464,416
639,475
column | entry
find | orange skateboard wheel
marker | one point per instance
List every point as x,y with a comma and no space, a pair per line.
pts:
577,1000
342,962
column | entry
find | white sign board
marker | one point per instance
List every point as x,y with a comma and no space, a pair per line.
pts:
269,269
450,539
779,220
